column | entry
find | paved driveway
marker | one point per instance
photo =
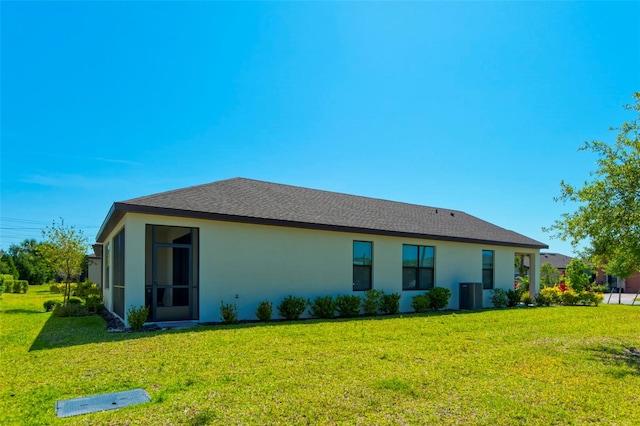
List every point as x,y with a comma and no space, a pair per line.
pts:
625,298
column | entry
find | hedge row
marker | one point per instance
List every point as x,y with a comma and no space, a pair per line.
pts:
372,303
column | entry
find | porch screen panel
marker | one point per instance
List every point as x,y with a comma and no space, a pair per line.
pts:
118,274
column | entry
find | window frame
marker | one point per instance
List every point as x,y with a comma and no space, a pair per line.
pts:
363,265
418,268
491,285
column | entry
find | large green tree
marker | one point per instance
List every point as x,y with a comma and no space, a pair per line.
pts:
65,251
30,262
8,267
608,212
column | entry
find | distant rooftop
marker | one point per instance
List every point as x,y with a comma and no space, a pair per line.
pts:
253,201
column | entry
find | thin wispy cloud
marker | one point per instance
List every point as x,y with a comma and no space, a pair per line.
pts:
117,161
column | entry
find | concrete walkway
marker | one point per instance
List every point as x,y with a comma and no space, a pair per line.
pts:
625,298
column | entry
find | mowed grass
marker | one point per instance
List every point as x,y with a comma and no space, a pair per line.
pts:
559,365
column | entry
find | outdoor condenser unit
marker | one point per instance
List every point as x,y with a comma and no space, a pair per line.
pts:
470,295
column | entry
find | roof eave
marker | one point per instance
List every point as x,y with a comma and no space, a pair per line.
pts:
119,209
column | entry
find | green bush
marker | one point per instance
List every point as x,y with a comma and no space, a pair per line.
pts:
137,317
600,288
527,300
323,307
24,286
264,311
4,285
16,286
73,310
50,305
291,308
348,305
55,289
421,302
513,297
552,294
569,297
439,298
93,302
499,298
73,300
371,302
591,298
228,313
86,288
390,303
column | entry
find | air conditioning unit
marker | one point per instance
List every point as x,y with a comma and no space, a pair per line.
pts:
471,295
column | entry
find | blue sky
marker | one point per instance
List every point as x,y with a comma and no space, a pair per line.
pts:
475,106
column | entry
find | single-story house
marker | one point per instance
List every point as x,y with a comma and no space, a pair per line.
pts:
559,261
242,241
94,265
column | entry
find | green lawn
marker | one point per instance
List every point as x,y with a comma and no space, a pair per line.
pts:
559,365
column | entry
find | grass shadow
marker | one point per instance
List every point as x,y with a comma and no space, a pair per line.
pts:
64,332
624,359
22,311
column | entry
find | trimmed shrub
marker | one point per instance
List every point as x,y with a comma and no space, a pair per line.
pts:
228,313
4,285
323,307
50,305
348,305
93,302
137,317
421,302
55,289
390,303
569,297
499,298
264,311
439,298
550,295
291,308
371,302
16,285
527,300
73,310
73,300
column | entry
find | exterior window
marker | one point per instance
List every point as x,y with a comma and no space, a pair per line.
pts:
118,274
487,269
362,262
417,267
107,267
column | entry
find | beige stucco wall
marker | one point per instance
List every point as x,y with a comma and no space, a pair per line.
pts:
246,263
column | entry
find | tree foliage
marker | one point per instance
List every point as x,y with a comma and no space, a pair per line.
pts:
65,251
8,267
549,275
30,262
578,275
608,213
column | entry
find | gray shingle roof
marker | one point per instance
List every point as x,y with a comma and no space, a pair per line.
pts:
559,261
252,201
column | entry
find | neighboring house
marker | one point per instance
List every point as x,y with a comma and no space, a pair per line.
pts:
630,285
559,261
243,241
94,262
